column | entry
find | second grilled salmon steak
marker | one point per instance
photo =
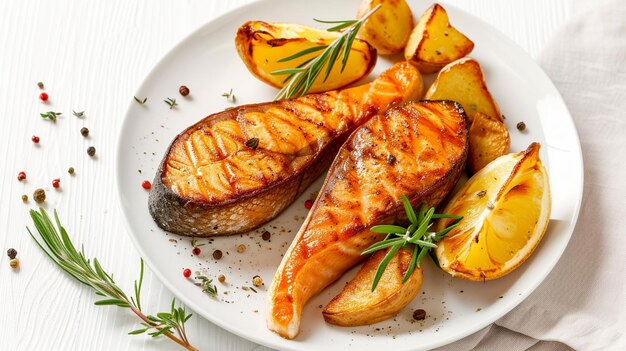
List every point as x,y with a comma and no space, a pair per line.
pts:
417,149
237,169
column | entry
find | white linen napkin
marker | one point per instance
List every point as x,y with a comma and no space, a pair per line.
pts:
582,303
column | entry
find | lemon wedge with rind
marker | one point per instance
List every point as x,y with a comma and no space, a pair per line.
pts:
506,210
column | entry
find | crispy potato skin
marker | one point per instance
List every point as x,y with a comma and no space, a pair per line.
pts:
357,305
488,140
261,45
463,81
417,149
389,27
211,182
434,42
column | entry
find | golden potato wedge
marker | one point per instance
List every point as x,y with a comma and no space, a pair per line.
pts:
434,42
357,305
463,81
389,27
488,140
261,45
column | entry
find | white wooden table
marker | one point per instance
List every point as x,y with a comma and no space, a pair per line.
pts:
92,55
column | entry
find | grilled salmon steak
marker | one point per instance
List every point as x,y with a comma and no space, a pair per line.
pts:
237,169
417,149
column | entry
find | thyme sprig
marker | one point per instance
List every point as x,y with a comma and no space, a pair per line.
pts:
51,115
300,78
57,245
171,102
139,101
230,96
207,285
416,236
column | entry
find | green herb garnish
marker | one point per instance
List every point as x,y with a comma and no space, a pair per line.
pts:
140,102
78,114
207,286
230,96
51,115
301,78
170,102
194,243
416,235
57,245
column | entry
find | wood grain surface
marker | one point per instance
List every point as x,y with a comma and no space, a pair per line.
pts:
92,56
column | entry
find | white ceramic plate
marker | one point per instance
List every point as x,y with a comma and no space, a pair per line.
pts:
208,64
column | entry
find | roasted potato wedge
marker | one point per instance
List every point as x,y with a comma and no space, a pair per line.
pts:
389,27
357,305
463,81
434,42
261,45
488,140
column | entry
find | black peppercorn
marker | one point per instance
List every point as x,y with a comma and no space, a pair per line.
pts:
91,151
521,126
217,254
11,253
40,85
266,235
84,132
183,90
419,315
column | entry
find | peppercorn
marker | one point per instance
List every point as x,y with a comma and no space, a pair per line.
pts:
187,272
419,315
266,235
257,281
196,251
217,254
43,97
183,90
70,170
308,204
39,195
21,176
91,151
14,263
221,278
24,197
241,248
35,139
521,126
56,183
84,132
146,185
40,85
11,253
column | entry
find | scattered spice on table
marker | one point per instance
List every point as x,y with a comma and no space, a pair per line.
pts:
266,235
187,272
78,114
221,278
196,251
170,102
35,139
24,197
51,115
146,184
141,102
12,253
241,248
21,176
257,281
14,263
84,132
207,285
217,254
43,97
40,85
91,151
308,204
56,183
183,90
521,126
70,170
39,195
230,96
419,315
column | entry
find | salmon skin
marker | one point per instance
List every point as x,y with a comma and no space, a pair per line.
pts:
237,169
417,149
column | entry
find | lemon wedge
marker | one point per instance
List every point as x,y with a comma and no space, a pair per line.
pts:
506,209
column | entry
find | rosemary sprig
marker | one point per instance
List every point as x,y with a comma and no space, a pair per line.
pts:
416,235
57,245
170,102
194,243
301,78
207,286
230,96
51,115
78,114
140,102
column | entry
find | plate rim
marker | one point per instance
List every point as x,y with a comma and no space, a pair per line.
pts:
283,344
